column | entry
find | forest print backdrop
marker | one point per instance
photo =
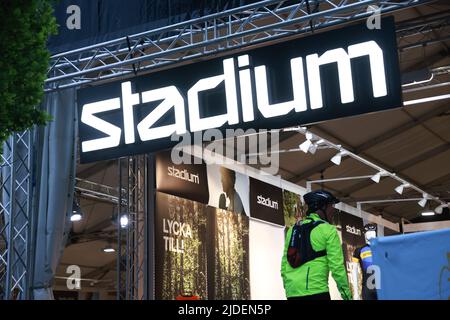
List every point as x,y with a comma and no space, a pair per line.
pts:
229,265
200,250
180,247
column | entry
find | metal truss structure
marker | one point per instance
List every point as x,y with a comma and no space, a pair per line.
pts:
131,239
16,217
97,191
231,29
427,25
127,56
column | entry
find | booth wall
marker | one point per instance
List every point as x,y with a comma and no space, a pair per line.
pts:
266,251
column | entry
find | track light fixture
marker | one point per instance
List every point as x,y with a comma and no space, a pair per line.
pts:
338,157
312,148
401,187
424,200
308,145
441,207
305,145
314,142
377,176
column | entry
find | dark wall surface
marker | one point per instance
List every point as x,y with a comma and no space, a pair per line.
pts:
103,20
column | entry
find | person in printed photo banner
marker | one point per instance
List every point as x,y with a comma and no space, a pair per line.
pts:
294,209
230,199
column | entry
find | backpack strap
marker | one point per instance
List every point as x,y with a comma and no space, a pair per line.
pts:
313,254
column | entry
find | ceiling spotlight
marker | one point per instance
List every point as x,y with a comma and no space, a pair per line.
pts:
423,202
441,207
313,148
124,221
76,215
109,249
308,136
305,146
321,141
427,213
400,188
338,158
376,177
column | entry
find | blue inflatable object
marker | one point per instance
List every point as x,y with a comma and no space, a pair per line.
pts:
413,266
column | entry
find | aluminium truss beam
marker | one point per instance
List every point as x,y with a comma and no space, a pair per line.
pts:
16,217
131,239
215,33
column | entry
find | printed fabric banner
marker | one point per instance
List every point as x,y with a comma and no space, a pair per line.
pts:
200,251
180,247
352,239
413,266
293,207
228,256
228,189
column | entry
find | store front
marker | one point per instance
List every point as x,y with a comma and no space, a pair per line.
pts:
215,224
181,161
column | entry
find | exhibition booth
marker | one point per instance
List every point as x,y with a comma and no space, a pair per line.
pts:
215,226
220,229
184,136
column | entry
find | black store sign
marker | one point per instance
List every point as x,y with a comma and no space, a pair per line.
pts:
352,229
266,202
330,75
188,181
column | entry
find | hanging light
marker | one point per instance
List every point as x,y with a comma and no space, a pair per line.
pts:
313,148
305,145
424,200
338,158
76,215
109,249
400,188
319,142
124,221
376,177
441,207
308,145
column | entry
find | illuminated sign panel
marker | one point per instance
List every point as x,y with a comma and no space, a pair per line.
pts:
326,76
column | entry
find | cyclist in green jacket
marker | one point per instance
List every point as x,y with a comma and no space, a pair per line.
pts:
305,273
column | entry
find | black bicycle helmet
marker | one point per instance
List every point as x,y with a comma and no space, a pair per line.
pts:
318,199
370,227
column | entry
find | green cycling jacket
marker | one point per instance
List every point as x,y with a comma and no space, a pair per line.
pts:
312,277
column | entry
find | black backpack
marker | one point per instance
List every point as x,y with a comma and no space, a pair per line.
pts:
300,249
